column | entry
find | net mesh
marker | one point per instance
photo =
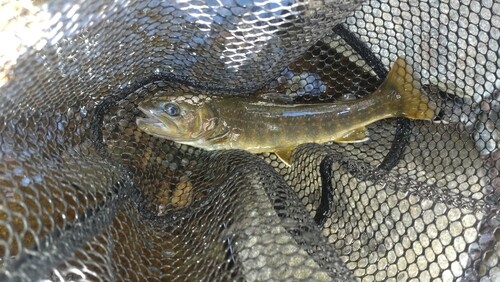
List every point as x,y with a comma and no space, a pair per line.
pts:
87,196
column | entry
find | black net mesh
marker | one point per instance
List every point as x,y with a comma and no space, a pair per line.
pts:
88,196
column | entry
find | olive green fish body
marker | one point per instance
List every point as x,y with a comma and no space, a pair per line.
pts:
258,125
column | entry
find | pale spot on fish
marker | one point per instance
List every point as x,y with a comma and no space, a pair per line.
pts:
234,136
344,112
297,113
395,94
271,127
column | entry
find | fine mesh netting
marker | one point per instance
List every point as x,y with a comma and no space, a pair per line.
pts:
87,196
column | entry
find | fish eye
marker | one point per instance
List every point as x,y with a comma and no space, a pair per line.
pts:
171,109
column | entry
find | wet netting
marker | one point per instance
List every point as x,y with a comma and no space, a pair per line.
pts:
87,196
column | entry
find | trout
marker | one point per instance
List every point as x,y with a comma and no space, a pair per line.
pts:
258,125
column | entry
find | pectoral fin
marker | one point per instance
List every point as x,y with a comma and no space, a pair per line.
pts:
357,135
285,155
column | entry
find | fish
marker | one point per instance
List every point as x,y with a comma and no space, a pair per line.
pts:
258,125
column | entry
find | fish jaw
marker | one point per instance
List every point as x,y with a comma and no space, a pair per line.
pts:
165,128
150,117
149,120
153,126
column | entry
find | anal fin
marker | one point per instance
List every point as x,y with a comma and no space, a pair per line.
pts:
284,155
357,135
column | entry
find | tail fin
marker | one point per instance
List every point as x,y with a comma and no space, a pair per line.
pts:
404,93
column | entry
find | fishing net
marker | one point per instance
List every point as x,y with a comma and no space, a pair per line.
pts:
87,196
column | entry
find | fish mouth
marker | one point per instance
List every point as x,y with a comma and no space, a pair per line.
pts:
151,124
149,120
141,122
155,127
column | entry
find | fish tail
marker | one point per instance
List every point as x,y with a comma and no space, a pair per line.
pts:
404,95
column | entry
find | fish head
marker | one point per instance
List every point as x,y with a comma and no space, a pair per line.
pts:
181,118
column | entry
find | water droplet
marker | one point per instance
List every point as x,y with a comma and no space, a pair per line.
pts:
25,181
83,111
